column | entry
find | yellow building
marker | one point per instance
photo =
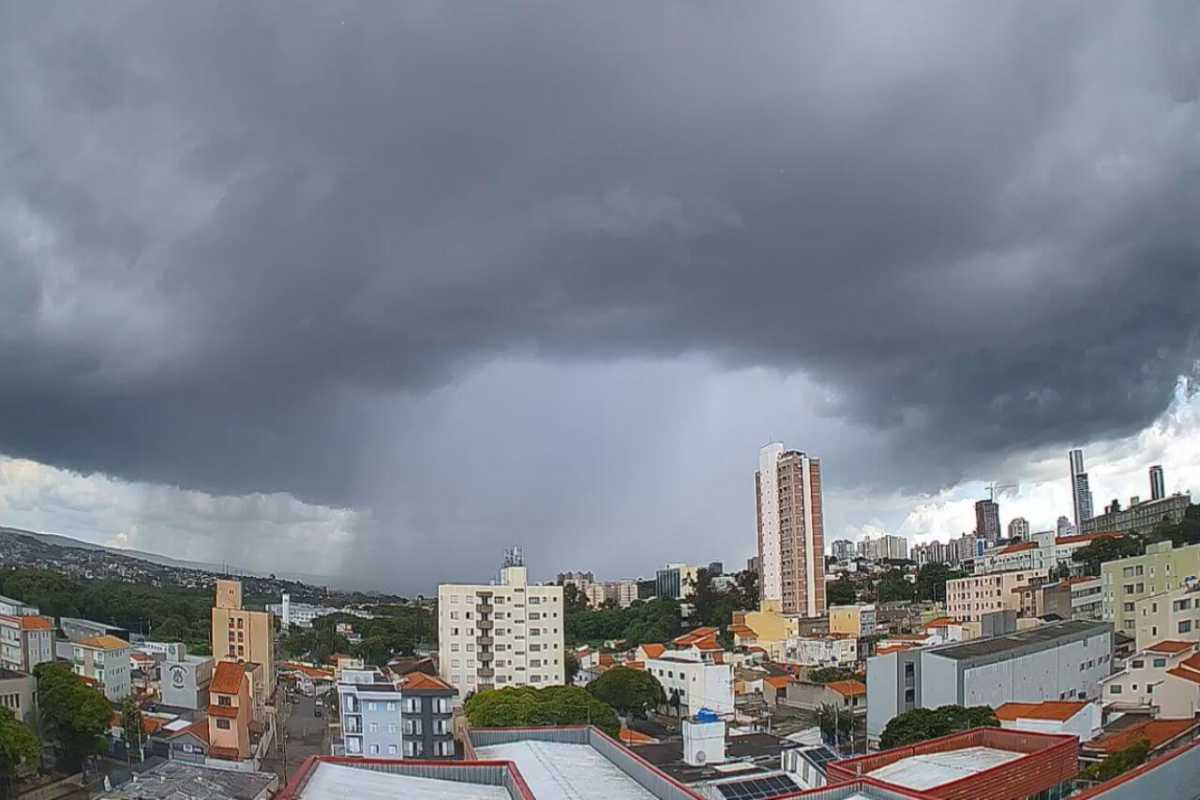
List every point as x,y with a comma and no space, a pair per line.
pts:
767,628
856,620
1128,580
244,636
230,711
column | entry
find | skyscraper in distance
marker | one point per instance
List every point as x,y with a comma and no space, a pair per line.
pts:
791,531
1018,528
1064,526
987,520
1081,494
1158,487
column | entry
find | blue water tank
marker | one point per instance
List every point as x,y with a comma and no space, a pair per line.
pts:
707,715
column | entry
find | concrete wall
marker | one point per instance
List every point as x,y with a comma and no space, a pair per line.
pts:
1052,674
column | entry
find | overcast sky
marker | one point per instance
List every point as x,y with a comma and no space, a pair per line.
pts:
379,289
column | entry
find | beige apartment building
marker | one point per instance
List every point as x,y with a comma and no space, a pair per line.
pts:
791,530
1168,615
230,711
968,599
26,641
1128,580
491,636
241,635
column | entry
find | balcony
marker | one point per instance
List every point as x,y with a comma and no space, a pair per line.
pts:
485,608
484,624
485,657
484,641
486,672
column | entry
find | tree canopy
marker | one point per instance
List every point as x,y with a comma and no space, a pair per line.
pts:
893,586
398,632
19,747
76,715
1120,762
1103,550
840,592
526,706
629,691
831,674
929,723
641,622
931,581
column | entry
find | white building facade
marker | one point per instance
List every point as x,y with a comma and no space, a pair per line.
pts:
697,683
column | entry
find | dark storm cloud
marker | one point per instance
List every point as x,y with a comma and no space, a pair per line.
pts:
226,229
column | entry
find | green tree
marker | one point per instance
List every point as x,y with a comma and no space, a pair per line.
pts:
831,674
75,714
19,748
528,707
1103,550
747,588
629,691
574,600
571,665
931,581
893,586
1120,762
840,592
836,725
921,724
131,722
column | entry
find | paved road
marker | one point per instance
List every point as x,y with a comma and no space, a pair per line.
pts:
302,735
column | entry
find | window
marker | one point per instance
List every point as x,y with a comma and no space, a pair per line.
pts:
224,700
1185,626
391,706
1160,662
1137,664
374,749
391,749
223,723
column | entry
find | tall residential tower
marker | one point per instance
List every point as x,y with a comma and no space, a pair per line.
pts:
1158,487
791,531
987,521
1081,494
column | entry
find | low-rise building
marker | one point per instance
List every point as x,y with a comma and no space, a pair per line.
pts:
696,683
427,725
1162,680
184,680
848,695
18,693
181,781
1173,614
25,641
231,712
15,608
1058,661
1162,568
767,628
853,620
1076,718
371,715
77,629
104,661
822,651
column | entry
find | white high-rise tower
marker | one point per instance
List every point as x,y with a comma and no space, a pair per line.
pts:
1081,494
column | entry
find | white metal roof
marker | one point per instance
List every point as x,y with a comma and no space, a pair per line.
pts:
562,771
936,769
338,782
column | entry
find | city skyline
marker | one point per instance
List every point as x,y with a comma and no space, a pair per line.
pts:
399,284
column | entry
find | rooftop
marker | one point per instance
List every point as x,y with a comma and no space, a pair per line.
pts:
930,770
1031,639
1158,732
174,780
338,781
562,770
104,642
758,752
227,678
848,688
1171,646
1057,711
420,682
29,623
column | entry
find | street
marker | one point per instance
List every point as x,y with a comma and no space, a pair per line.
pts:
300,736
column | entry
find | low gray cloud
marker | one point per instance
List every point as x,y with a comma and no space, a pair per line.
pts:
243,246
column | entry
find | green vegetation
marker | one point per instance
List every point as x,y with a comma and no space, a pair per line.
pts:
131,722
76,715
1184,532
1103,550
840,592
170,613
931,581
529,707
831,674
829,718
629,691
921,724
399,633
1118,763
892,586
641,622
19,749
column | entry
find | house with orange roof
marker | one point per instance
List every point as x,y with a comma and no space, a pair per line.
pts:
649,650
848,695
1157,680
1076,717
230,712
695,635
26,640
1161,734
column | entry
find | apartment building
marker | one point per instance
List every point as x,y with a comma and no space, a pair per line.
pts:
968,599
834,650
1128,580
1059,661
25,641
1140,517
676,581
104,661
1168,615
427,725
371,714
842,549
504,634
231,711
855,620
1043,551
791,530
15,608
241,635
1162,680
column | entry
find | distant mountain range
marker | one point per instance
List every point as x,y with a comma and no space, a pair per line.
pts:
57,540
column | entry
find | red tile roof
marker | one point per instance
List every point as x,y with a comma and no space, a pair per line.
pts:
223,711
848,688
1016,548
631,737
654,649
638,665
893,648
105,642
693,636
1171,646
1186,674
1050,710
422,682
1191,662
33,623
227,678
1157,731
707,644
940,622
1084,538
778,681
